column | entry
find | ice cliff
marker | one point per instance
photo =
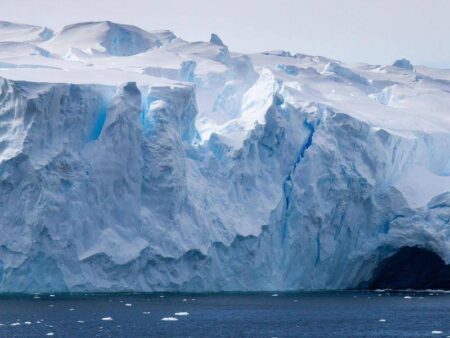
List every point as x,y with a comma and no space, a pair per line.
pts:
134,160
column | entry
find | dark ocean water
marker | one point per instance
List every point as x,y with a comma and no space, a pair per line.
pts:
336,314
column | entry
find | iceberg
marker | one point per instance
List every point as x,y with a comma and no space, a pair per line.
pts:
138,161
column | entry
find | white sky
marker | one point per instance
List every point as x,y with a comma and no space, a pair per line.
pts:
374,31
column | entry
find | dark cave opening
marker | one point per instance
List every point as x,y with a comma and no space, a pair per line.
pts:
411,268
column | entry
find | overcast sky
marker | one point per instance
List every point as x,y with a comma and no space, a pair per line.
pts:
374,31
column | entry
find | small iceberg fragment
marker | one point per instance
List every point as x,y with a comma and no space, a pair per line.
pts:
107,318
436,332
407,297
128,304
80,321
15,324
181,313
169,319
382,320
27,323
50,334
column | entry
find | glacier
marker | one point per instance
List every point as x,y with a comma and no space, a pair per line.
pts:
138,161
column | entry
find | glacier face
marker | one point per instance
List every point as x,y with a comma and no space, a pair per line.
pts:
133,160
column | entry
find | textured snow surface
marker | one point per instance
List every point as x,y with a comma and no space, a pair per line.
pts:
134,160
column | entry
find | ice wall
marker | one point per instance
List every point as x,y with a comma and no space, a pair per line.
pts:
192,168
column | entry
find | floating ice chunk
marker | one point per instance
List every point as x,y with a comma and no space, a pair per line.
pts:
27,323
50,334
169,319
382,320
71,309
128,304
15,324
436,332
146,312
181,313
107,318
80,321
52,295
407,297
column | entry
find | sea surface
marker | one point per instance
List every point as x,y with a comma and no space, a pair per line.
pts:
307,314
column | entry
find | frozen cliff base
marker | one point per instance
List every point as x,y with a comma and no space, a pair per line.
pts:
135,160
